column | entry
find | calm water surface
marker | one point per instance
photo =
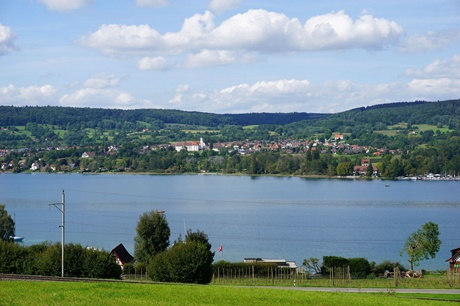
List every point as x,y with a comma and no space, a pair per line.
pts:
268,217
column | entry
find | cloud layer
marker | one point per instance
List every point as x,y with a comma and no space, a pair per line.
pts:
256,30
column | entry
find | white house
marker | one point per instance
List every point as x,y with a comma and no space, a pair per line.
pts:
191,145
34,167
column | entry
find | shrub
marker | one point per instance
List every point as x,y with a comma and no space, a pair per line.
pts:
359,267
388,265
189,262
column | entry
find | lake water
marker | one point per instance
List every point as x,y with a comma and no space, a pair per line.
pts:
269,217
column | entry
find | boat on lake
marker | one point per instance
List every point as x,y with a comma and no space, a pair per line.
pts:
17,238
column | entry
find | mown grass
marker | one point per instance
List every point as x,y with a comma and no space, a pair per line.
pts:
62,293
428,282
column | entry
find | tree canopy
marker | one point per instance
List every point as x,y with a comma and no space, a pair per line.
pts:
6,224
188,261
422,244
152,235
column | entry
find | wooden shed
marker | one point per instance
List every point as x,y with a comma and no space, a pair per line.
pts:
454,260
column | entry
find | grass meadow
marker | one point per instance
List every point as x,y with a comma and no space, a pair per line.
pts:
122,293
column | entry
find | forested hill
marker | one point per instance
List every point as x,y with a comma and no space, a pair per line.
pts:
379,117
444,112
92,117
412,113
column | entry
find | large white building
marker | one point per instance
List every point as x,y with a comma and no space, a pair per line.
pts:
191,145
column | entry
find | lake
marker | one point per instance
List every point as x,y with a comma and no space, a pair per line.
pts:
268,217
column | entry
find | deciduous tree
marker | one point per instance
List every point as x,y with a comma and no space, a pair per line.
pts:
152,235
6,224
422,244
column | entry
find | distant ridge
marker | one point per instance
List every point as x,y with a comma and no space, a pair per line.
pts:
414,112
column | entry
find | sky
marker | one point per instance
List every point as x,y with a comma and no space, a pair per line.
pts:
228,56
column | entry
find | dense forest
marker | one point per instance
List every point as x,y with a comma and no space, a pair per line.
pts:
71,117
401,139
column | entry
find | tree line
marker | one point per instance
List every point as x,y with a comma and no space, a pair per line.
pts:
439,156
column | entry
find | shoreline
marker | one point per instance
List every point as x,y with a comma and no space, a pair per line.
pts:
313,176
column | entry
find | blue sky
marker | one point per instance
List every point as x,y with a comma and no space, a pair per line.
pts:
228,56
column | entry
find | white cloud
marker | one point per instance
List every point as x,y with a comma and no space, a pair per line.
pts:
435,88
64,5
152,63
31,95
7,38
152,3
114,38
207,58
97,97
305,96
255,30
439,69
429,41
102,81
220,6
181,95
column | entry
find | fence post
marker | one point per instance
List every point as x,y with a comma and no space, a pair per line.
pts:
396,276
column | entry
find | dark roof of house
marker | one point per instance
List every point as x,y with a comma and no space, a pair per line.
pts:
122,254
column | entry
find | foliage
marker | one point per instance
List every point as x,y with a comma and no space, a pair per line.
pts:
359,267
387,265
185,262
422,244
152,235
333,262
313,265
45,259
6,224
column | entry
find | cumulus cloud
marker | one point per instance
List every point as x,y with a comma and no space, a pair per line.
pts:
207,58
220,6
152,63
98,97
431,88
102,81
64,5
182,95
292,95
255,30
152,3
7,38
429,41
31,95
438,69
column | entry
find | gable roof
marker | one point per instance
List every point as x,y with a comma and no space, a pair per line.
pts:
122,254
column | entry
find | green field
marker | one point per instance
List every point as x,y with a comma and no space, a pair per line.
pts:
118,293
419,128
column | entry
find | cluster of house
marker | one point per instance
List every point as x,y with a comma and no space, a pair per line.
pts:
362,170
334,145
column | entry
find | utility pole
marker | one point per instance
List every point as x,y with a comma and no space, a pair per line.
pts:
62,210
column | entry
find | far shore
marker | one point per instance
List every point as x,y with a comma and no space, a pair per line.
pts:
350,177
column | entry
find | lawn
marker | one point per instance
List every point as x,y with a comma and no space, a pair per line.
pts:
118,293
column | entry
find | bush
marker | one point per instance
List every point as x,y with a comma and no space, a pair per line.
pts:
189,262
46,258
388,266
359,267
333,262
